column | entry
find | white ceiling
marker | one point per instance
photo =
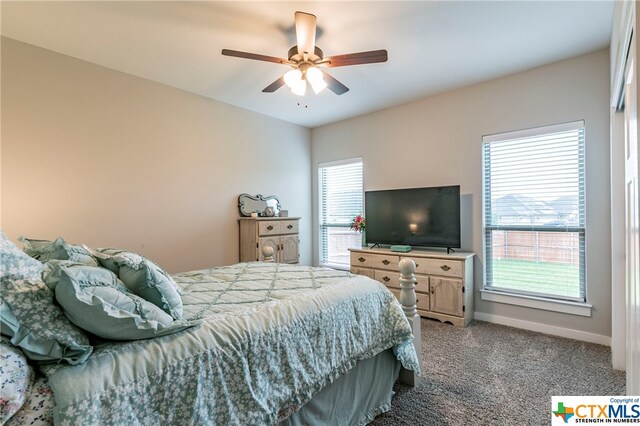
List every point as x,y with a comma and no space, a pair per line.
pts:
433,46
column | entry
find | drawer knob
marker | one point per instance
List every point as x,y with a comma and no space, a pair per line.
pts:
433,291
289,226
361,259
445,267
270,227
386,279
385,262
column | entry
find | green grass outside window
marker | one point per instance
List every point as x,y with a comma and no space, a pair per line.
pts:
560,279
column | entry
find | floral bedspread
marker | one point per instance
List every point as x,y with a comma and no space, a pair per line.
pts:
270,336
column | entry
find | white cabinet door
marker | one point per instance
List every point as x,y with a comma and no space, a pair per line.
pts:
289,249
273,242
446,296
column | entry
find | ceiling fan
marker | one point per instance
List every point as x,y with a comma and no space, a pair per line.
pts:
306,59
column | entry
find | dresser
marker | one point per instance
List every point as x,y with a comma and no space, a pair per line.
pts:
444,282
280,233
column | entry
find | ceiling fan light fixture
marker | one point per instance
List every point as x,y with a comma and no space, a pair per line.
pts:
315,78
293,78
299,88
314,75
318,86
305,56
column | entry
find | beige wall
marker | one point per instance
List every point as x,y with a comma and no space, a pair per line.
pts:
437,141
107,159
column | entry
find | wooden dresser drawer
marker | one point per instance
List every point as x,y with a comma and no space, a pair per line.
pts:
421,264
392,279
388,278
269,228
360,259
422,284
443,267
378,261
422,301
362,271
289,227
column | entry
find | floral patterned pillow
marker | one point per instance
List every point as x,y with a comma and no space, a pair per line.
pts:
38,408
37,326
16,264
16,379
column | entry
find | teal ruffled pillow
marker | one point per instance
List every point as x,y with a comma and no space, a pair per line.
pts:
14,263
59,249
143,278
96,300
37,326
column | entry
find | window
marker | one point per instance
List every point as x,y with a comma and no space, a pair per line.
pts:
340,201
534,212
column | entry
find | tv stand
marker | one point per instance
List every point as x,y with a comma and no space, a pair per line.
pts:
444,282
376,245
450,250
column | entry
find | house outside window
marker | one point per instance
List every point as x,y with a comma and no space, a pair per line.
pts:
534,212
341,199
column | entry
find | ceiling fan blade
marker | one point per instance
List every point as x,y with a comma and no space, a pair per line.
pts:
255,56
274,86
334,85
356,58
305,33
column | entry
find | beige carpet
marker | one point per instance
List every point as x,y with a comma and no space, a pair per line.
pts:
487,374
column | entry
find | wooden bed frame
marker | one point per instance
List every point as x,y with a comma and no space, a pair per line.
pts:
407,269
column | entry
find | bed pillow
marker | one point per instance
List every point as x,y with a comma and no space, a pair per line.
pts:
38,408
29,316
15,264
106,257
97,301
143,278
16,380
45,250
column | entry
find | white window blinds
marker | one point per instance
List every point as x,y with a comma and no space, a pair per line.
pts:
534,212
341,199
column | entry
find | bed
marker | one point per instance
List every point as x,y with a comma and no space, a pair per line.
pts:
270,343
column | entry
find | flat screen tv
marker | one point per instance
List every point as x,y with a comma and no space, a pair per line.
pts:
427,217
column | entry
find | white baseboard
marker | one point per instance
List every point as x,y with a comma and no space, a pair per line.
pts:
544,328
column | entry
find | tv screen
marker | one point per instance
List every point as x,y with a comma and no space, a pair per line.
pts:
417,216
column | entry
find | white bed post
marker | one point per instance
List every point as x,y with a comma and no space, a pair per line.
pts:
267,253
408,301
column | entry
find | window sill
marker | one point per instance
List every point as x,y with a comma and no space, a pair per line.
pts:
338,266
566,307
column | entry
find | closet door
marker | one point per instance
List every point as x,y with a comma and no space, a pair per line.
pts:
632,223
